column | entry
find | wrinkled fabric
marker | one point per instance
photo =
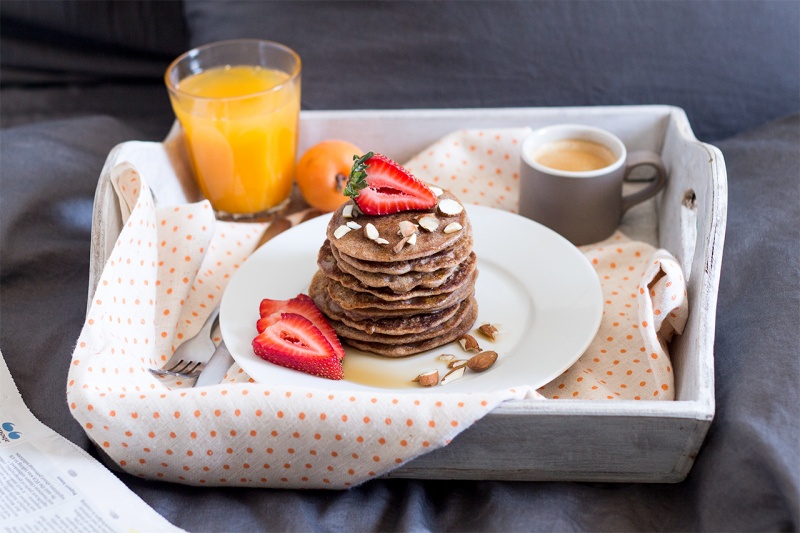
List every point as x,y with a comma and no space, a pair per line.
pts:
732,65
381,55
746,477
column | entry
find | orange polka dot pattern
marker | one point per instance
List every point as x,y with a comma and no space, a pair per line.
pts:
479,166
168,269
645,304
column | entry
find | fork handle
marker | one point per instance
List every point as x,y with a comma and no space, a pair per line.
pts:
210,321
216,367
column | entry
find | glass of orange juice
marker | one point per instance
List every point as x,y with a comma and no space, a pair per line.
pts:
238,103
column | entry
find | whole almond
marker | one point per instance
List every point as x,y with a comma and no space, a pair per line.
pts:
482,361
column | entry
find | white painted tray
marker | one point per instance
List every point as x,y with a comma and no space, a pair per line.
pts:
575,440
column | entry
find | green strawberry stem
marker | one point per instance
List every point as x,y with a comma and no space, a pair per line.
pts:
358,176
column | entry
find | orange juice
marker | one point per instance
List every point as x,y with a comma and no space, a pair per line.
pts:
241,126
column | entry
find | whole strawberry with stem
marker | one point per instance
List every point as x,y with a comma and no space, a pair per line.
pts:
380,186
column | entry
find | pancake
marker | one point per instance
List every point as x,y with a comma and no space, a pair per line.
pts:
392,300
402,325
399,336
350,299
329,266
356,244
395,282
397,325
403,350
442,259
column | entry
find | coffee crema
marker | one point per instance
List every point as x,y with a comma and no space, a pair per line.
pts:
574,155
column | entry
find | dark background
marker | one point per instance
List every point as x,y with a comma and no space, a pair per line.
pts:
78,77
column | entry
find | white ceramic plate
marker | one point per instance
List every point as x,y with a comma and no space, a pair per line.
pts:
535,286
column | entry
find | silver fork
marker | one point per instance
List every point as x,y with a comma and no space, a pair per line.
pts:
192,354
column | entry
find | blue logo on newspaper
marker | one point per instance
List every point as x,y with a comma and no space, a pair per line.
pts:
7,433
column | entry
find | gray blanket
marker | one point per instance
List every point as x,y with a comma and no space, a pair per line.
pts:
747,475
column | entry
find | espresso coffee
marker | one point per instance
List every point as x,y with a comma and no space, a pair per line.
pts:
574,155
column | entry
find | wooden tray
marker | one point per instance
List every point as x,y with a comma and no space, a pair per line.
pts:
569,440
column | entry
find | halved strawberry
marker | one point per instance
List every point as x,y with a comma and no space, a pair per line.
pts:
303,305
381,186
294,342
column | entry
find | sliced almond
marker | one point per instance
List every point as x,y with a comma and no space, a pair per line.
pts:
448,206
452,227
371,231
407,228
446,357
455,363
436,190
412,239
482,361
469,343
429,222
381,240
456,373
489,331
428,379
399,246
353,225
347,211
341,231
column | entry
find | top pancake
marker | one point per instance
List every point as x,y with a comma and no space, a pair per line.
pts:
356,244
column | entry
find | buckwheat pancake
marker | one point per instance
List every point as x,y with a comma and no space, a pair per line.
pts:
350,299
349,333
318,291
397,298
442,259
395,282
403,350
449,284
387,325
356,244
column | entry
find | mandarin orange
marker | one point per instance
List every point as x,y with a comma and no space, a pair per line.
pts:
322,173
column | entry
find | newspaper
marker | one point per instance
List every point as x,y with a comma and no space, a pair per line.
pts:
47,483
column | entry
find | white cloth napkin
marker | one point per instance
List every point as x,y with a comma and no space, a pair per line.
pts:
169,268
167,271
480,166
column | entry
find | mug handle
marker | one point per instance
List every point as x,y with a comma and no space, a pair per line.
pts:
638,159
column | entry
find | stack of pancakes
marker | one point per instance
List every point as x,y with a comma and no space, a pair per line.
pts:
392,299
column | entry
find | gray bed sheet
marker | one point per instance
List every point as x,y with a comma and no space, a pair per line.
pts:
732,65
746,477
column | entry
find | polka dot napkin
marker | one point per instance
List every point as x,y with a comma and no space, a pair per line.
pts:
168,270
479,166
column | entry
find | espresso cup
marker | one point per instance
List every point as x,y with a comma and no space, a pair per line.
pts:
571,180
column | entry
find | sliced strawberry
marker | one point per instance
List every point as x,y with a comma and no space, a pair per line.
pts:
269,306
381,186
270,312
294,342
303,305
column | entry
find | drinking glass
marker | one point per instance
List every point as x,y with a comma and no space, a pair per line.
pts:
238,103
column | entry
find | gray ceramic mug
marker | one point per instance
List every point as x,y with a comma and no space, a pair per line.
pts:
571,180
